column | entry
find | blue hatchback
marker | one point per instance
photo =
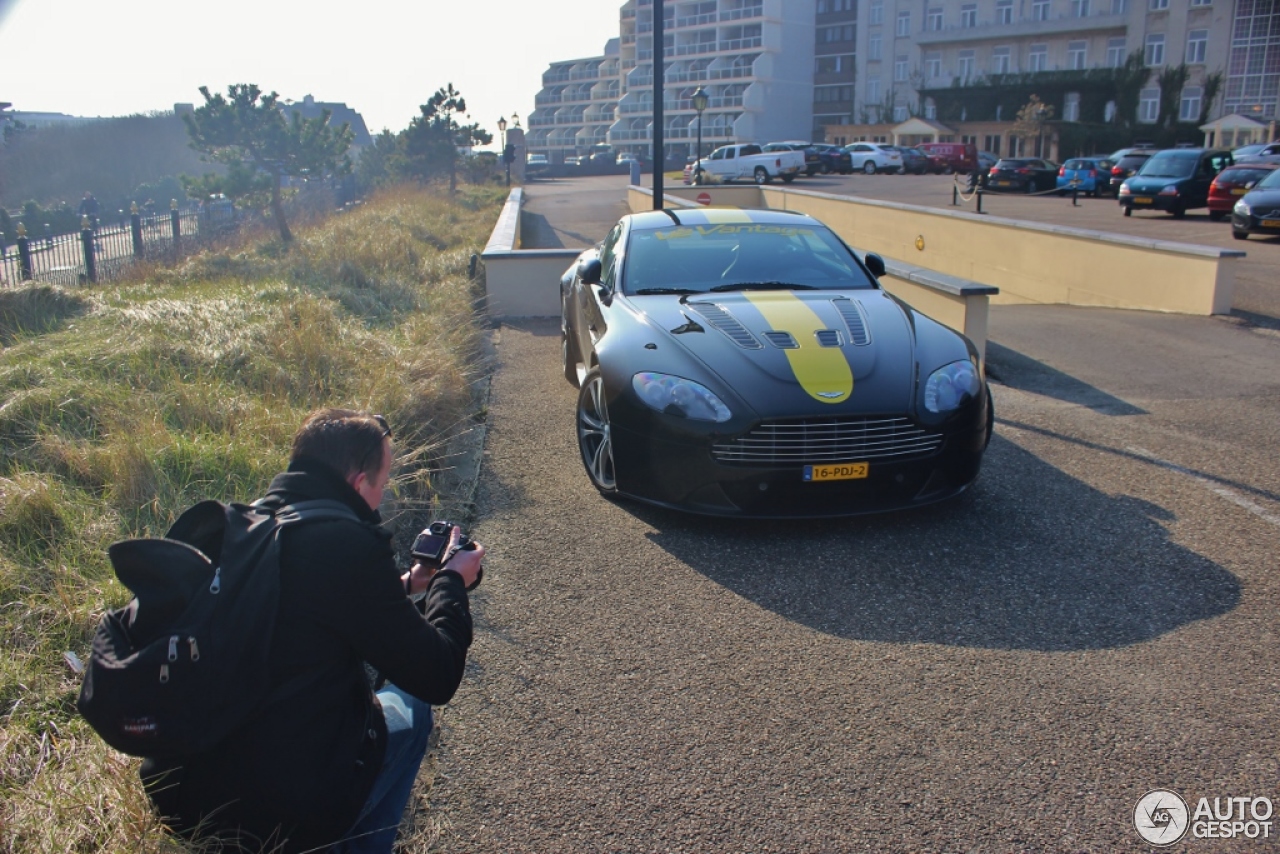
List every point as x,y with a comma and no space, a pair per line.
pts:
1093,175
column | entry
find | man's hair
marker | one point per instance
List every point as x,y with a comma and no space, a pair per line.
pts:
347,440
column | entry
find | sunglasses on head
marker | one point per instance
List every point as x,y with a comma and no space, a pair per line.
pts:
386,428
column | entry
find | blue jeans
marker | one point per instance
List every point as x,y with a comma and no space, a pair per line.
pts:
408,728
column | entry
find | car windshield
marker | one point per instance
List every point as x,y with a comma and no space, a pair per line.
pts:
730,256
1271,182
1170,164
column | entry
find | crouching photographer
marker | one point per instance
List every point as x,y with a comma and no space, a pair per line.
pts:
326,761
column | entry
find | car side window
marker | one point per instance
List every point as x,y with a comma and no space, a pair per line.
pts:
730,153
718,154
609,257
750,149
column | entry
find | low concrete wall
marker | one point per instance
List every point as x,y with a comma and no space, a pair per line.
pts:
521,282
1028,262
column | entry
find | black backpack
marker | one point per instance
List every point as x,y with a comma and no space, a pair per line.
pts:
185,662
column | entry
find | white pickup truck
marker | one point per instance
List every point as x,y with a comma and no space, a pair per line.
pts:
746,162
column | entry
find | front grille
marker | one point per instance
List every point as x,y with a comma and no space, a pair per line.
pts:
825,440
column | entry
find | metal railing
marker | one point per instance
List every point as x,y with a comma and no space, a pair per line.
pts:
101,253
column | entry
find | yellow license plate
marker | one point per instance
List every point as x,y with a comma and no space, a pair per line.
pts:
1238,191
1142,200
838,471
1271,223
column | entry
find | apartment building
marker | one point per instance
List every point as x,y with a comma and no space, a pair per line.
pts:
815,69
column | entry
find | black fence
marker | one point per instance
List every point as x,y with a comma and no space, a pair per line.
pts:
100,251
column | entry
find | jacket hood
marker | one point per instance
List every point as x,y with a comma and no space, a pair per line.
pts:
308,478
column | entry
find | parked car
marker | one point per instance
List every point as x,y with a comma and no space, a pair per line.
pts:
746,161
1174,180
1022,175
1232,183
1269,153
715,351
812,160
986,160
1126,163
1258,212
873,157
950,157
1248,150
536,164
914,161
834,158
1090,175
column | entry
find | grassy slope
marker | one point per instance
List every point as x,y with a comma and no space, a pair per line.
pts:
122,405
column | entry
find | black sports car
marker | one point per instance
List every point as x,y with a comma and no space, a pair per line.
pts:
747,363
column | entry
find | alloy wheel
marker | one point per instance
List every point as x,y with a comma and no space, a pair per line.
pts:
595,439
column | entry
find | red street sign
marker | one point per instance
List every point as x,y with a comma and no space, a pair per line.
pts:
704,198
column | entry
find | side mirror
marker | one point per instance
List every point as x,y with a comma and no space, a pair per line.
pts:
589,272
874,263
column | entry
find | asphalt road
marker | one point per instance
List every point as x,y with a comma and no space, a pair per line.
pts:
1010,672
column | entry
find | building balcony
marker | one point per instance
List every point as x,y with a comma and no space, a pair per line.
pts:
1059,26
742,13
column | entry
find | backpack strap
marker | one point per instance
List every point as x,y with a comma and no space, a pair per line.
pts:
314,510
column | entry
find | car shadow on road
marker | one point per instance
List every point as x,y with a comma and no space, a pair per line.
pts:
1027,374
1030,559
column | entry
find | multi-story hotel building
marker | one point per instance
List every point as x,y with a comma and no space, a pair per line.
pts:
815,69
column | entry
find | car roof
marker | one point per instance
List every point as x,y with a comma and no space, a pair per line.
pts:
648,220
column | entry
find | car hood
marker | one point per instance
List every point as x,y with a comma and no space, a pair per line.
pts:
1263,202
788,351
1150,183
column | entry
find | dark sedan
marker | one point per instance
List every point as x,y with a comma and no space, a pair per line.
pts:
747,363
1174,180
834,158
1022,175
914,161
1125,163
1258,212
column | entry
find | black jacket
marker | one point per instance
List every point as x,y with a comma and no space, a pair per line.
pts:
301,769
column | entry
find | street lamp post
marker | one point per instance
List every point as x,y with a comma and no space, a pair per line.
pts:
502,129
1040,114
700,101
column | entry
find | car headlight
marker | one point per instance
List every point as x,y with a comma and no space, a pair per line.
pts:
1124,188
678,396
1171,190
1242,208
950,386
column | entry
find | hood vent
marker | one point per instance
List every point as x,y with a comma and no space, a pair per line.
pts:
781,340
829,338
726,323
851,311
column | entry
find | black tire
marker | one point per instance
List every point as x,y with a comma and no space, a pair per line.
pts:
1128,211
869,167
1239,235
1217,216
787,179
595,439
761,175
1179,211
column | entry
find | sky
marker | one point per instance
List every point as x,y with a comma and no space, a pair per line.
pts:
383,58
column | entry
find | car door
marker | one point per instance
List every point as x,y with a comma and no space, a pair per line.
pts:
586,320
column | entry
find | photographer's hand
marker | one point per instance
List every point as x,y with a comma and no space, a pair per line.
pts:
466,562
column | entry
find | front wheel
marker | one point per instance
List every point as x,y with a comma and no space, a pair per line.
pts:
1239,235
869,167
1217,216
1128,211
761,175
595,438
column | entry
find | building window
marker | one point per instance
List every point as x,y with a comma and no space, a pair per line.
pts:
1076,54
991,143
1201,2
1154,54
900,68
873,90
1189,111
933,19
1197,43
969,15
1004,11
1039,10
1149,105
1071,107
964,64
836,34
1038,58
900,113
1119,7
1000,62
876,14
1115,52
933,65
904,24
1080,8
1157,5
873,47
831,6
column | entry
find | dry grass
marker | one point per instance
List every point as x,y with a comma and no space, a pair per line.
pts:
121,406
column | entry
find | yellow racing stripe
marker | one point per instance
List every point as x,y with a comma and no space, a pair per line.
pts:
823,372
724,216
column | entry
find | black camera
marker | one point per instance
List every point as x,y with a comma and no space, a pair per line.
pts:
431,546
